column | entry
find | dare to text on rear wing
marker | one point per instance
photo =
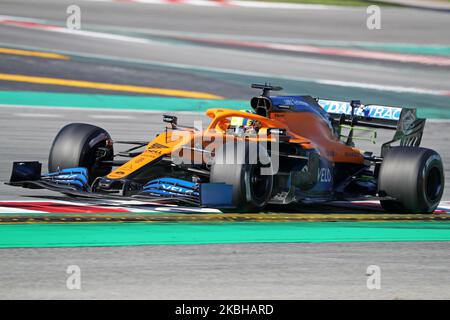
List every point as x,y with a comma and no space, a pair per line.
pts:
408,127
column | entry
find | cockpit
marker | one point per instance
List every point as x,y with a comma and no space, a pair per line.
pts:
243,127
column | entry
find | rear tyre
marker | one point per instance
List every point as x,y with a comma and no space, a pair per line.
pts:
247,173
414,177
77,145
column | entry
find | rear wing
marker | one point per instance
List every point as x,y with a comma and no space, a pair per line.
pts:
408,128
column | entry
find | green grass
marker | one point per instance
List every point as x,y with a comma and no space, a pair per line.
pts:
334,2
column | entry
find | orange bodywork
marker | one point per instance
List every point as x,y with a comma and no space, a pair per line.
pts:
303,128
311,127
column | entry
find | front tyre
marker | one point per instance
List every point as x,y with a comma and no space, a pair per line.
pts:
414,177
237,164
78,145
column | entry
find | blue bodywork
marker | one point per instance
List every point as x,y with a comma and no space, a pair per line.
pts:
299,104
75,180
208,194
218,195
171,187
73,177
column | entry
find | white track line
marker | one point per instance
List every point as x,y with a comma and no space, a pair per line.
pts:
37,115
64,108
16,210
399,89
39,24
112,117
232,3
384,87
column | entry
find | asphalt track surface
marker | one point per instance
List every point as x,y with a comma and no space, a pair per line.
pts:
259,271
241,271
145,21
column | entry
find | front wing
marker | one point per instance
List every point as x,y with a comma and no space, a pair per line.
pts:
74,182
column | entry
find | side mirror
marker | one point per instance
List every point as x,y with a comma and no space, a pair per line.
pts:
170,119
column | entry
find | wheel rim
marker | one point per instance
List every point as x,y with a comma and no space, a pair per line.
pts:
259,184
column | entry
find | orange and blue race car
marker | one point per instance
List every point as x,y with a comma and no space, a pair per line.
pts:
287,149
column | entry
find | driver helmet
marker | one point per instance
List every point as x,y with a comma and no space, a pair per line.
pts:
240,124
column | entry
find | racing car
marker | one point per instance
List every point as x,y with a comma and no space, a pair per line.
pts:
285,150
